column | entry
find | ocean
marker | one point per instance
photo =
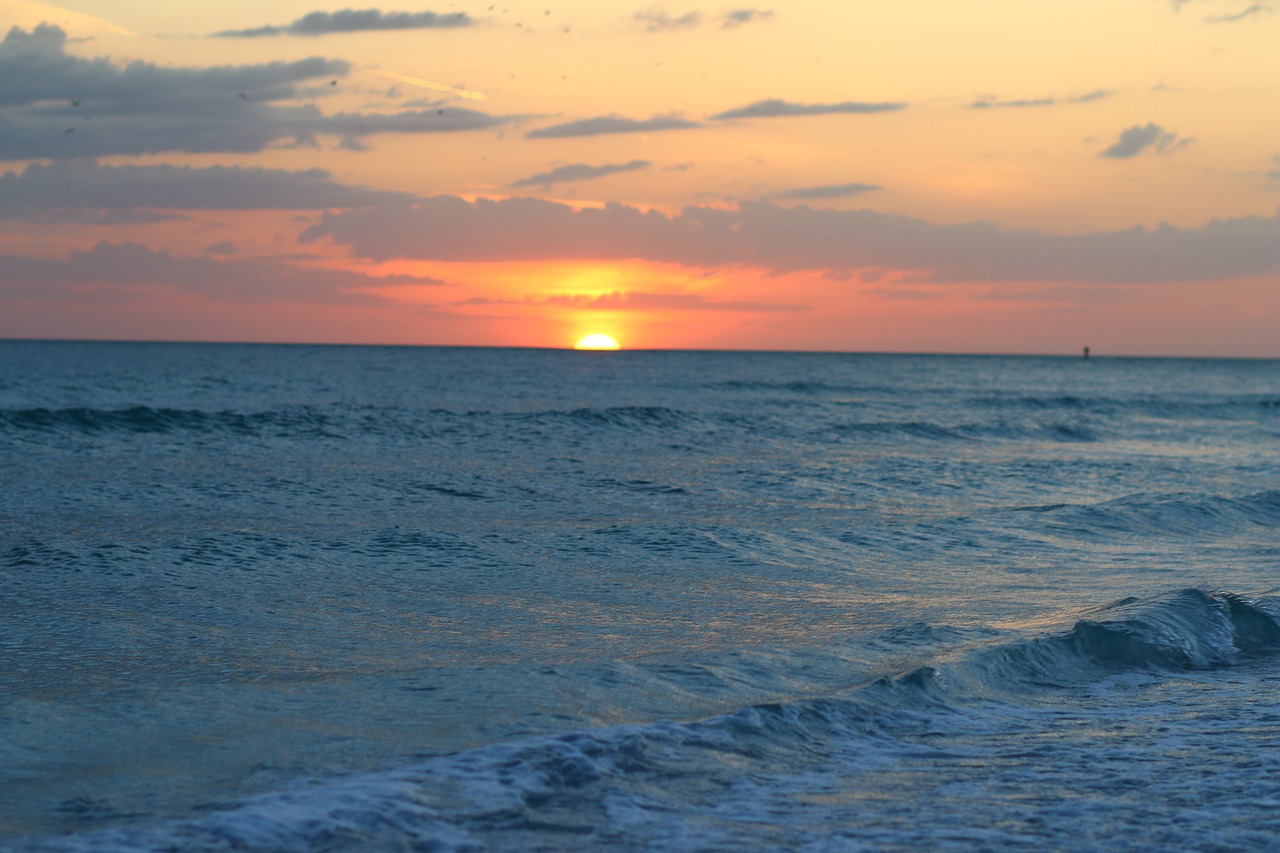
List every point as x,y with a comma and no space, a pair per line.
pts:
311,598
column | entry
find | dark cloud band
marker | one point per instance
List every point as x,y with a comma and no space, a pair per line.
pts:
782,240
579,172
609,124
354,21
127,267
57,106
775,108
829,191
77,188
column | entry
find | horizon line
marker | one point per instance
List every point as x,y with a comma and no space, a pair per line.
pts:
1077,355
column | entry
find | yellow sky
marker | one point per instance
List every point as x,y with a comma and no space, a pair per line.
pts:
1210,82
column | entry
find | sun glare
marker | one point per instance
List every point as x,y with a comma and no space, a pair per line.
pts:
596,341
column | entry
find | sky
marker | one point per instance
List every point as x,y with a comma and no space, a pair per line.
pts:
994,176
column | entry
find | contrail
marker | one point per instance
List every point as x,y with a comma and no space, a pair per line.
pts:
427,84
119,30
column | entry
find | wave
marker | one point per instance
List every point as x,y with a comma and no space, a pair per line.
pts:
964,432
1052,419
336,421
805,387
1184,630
689,784
899,429
145,419
639,418
1164,515
1226,407
1230,406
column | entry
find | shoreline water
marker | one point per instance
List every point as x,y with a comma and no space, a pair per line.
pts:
239,576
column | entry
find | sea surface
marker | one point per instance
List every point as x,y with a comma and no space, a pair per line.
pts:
296,598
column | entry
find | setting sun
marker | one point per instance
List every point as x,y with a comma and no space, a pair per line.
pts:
596,341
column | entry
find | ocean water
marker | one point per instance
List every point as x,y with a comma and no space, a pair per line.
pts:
358,598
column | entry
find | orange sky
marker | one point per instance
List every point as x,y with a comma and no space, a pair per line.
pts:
986,177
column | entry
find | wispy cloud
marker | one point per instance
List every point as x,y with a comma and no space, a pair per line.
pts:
1247,12
602,125
830,191
1139,138
995,103
1087,97
354,21
1265,7
579,172
641,301
776,108
657,21
738,17
986,104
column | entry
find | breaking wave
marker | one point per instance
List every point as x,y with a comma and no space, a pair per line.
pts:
674,783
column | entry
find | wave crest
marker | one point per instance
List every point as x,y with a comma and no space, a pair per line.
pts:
145,419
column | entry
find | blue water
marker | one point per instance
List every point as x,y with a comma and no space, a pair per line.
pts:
322,598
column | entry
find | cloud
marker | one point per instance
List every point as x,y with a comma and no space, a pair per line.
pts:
129,267
1265,7
1030,102
353,21
579,172
640,301
1134,140
831,191
775,108
84,187
904,293
1087,97
94,216
737,17
611,124
57,106
657,21
1065,293
781,240
35,68
1247,12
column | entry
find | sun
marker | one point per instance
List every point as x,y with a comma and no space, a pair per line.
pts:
596,341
